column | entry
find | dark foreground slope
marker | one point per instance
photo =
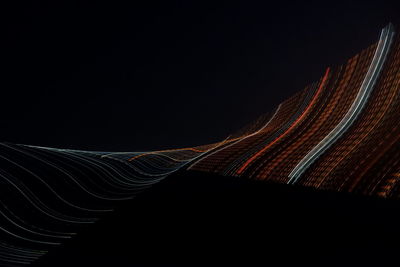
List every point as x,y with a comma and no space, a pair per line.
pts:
200,219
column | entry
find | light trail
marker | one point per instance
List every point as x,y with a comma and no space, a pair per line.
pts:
354,111
250,160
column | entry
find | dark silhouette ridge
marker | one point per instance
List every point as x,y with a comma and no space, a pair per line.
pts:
193,217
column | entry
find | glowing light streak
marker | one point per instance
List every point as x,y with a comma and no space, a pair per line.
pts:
354,111
250,160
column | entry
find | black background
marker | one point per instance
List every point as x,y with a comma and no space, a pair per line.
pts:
158,74
151,75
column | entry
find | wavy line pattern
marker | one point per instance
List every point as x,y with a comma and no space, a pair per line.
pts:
340,134
46,193
355,109
340,137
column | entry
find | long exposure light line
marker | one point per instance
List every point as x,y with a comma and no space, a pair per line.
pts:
355,109
240,139
250,160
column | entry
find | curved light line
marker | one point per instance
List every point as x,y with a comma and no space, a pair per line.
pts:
248,162
34,199
355,109
241,139
233,166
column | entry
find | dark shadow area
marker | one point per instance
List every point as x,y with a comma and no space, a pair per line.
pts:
198,219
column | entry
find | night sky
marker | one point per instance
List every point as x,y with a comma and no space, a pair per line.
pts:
128,77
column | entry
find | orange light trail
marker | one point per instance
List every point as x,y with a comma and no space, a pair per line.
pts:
182,149
248,162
